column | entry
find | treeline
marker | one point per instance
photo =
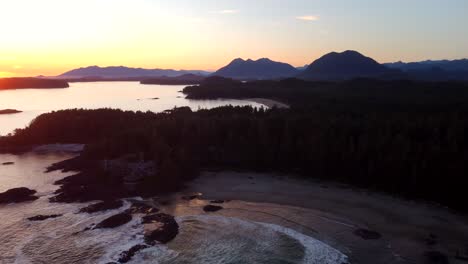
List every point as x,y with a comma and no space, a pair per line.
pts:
362,95
38,83
417,154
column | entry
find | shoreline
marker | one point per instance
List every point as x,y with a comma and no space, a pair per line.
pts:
331,214
269,103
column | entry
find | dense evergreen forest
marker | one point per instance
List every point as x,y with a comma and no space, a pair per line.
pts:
358,95
413,152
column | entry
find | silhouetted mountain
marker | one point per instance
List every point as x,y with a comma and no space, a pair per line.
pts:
446,65
434,70
301,68
256,70
346,65
124,72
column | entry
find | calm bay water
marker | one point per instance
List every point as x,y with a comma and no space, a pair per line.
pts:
123,95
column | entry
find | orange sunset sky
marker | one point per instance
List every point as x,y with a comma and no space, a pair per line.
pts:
50,37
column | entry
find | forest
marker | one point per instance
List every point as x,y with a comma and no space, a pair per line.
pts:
415,149
26,83
358,95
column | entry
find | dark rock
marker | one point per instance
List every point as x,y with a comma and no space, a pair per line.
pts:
367,234
166,228
43,217
190,197
212,208
435,257
217,201
126,256
8,163
165,202
18,195
115,221
102,206
155,98
431,240
141,208
462,256
89,186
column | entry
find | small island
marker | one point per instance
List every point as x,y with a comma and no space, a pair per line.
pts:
31,83
9,111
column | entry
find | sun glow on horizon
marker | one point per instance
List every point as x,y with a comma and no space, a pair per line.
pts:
50,37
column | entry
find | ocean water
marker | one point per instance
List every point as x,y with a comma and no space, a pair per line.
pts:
122,95
202,239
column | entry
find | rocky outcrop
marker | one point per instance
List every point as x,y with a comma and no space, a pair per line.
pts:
189,197
102,206
8,163
114,221
212,208
43,217
126,256
160,228
17,195
435,257
141,208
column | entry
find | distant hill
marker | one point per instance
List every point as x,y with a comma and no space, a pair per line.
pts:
346,65
186,79
31,83
434,70
256,70
301,68
123,72
446,65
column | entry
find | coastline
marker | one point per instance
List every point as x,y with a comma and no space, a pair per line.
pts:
332,213
269,103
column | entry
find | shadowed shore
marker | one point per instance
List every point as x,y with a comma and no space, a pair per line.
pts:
31,83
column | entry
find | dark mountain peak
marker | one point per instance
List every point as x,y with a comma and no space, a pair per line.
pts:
345,65
238,60
263,68
264,60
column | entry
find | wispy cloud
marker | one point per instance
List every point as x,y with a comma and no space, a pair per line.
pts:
308,18
227,11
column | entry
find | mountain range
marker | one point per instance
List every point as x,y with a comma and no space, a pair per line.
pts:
333,66
116,72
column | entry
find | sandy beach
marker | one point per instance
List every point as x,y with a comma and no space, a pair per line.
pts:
331,213
269,103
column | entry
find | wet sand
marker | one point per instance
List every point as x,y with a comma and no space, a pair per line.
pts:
331,213
269,103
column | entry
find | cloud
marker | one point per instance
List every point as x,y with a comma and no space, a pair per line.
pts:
308,18
227,11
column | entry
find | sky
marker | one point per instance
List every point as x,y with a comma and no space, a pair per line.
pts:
49,37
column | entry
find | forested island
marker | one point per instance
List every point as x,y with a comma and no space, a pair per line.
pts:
33,83
9,111
186,79
401,137
365,95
